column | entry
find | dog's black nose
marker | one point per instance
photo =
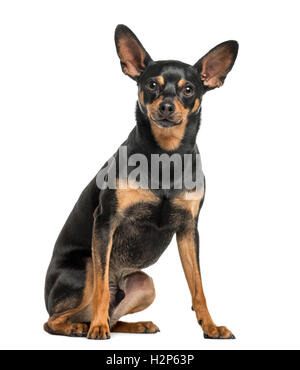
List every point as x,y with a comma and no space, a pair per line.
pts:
166,108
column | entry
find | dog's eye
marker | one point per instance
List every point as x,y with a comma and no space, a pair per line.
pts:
188,91
152,85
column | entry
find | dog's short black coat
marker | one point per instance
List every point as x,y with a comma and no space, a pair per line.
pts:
94,276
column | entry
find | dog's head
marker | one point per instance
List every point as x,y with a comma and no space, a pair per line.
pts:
171,91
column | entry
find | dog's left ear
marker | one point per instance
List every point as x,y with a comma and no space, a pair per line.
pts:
134,58
215,65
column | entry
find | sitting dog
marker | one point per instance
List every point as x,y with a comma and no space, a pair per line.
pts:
95,276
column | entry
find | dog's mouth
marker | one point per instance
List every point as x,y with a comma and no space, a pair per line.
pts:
165,123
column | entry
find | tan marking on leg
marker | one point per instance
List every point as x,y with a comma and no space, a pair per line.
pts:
146,327
128,194
186,245
100,304
99,328
62,328
188,256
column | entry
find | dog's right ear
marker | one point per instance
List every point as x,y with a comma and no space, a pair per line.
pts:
134,58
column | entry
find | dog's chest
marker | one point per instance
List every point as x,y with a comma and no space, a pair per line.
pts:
145,230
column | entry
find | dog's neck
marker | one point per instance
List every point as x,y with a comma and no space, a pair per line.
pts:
156,139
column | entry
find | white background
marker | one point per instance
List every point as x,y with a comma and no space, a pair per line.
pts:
66,107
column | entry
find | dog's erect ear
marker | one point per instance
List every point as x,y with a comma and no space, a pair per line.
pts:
134,58
216,64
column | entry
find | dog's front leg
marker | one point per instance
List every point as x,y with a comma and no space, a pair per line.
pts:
188,244
101,247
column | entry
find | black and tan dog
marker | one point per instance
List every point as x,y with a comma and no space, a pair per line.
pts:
95,276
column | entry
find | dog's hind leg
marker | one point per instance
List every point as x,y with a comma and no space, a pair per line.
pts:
139,294
58,325
71,318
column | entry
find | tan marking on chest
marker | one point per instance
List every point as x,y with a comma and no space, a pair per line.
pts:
190,201
168,138
128,195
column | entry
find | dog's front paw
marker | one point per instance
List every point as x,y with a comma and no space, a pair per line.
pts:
79,330
212,331
99,332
